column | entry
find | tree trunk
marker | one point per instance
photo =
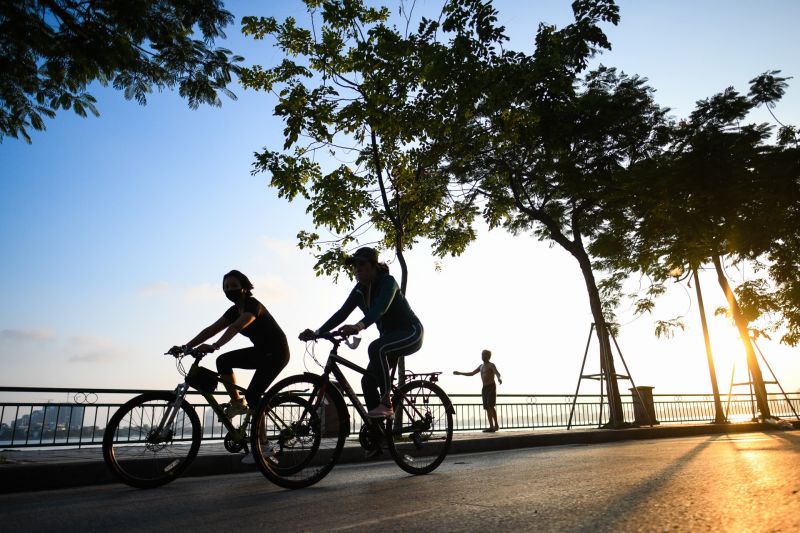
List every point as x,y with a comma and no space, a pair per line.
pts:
403,268
719,416
741,324
399,242
576,248
401,363
616,418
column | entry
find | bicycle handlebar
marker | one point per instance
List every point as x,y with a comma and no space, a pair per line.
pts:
337,338
186,351
333,336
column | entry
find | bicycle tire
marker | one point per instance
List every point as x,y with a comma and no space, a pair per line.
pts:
293,445
422,429
140,458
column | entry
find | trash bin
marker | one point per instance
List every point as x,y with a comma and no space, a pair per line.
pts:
643,415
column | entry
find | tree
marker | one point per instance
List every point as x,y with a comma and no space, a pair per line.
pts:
52,50
720,191
779,224
349,89
547,144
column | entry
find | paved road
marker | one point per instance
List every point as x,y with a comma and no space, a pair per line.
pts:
745,482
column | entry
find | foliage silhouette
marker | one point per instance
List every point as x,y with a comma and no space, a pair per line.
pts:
52,50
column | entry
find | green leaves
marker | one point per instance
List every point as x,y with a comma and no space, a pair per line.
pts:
290,174
53,50
259,27
352,90
464,17
720,110
395,137
719,189
666,328
768,88
339,199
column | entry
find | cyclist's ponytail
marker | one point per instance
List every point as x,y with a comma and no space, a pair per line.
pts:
383,268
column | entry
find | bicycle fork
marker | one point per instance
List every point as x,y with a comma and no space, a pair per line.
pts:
172,411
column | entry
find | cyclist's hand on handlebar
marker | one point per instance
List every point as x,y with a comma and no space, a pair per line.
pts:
175,351
203,349
307,335
349,329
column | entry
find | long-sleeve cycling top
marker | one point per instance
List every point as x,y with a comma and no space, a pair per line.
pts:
382,304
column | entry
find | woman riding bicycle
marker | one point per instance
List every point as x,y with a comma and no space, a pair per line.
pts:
378,296
268,355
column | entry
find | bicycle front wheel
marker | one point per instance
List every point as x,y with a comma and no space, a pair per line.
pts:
422,429
299,430
142,455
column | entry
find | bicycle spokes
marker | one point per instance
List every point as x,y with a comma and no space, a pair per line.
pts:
422,432
146,443
301,434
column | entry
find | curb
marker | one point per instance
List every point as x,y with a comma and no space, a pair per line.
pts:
32,476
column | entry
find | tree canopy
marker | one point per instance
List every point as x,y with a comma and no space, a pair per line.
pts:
436,126
721,189
349,90
546,143
52,50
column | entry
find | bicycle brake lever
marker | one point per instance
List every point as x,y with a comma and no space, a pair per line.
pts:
352,342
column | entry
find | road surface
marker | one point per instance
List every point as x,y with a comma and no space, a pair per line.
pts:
745,482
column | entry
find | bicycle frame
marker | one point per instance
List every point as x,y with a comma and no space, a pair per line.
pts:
302,440
332,367
180,394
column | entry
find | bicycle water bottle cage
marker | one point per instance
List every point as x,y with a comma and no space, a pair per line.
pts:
202,379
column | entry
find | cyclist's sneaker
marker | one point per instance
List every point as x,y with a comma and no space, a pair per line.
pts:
382,411
234,409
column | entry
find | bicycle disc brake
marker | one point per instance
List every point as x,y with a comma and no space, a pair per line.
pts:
157,441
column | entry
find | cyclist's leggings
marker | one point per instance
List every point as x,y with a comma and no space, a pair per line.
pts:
267,363
383,354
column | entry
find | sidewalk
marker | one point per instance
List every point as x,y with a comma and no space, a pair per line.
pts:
26,469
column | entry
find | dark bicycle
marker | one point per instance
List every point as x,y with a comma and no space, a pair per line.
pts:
153,438
301,423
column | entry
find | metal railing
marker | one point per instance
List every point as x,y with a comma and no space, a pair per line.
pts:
80,419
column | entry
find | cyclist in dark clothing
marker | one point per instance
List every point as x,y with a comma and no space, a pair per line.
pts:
377,295
268,355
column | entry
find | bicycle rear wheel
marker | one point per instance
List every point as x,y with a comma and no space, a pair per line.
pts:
138,453
298,431
422,429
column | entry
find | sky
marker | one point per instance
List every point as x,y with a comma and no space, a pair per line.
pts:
115,231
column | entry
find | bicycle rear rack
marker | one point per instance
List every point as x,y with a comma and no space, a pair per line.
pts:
433,377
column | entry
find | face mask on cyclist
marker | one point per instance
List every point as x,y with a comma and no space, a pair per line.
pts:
235,295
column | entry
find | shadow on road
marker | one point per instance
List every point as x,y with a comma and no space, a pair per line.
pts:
791,437
626,503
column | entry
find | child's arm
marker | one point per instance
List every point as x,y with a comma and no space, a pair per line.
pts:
498,374
457,373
